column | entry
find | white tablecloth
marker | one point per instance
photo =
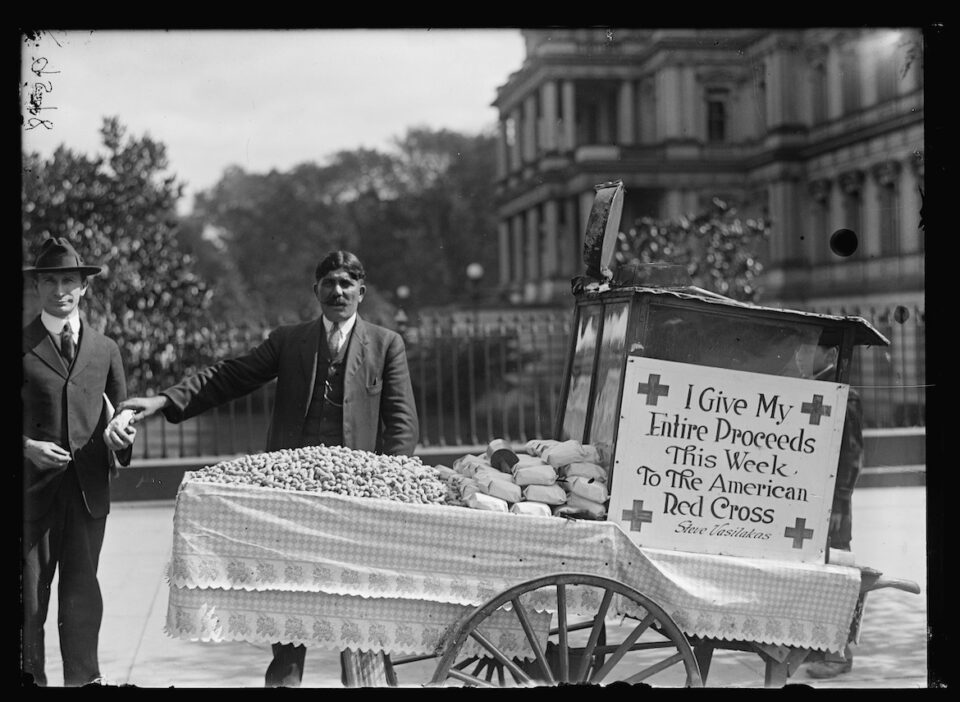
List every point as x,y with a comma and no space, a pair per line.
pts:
264,565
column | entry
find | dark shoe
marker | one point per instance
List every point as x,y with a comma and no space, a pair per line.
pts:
829,669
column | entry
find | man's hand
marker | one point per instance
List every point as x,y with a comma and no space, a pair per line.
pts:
143,407
45,454
120,432
836,521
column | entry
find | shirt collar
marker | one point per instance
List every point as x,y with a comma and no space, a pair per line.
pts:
345,327
54,325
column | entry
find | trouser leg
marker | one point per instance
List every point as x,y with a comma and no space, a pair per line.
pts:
286,668
80,599
40,546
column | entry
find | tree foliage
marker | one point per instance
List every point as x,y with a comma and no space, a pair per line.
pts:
416,216
118,210
721,251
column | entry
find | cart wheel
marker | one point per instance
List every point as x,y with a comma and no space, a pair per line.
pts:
591,650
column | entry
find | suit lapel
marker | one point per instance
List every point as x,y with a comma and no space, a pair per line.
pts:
36,340
86,349
309,349
356,350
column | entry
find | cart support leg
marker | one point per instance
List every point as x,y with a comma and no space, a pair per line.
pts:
703,652
367,669
777,672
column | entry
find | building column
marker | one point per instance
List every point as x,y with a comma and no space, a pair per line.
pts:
503,240
529,146
518,265
568,117
516,160
533,245
625,115
550,121
503,154
870,234
551,239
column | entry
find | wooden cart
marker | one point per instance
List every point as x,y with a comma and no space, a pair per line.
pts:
646,596
496,598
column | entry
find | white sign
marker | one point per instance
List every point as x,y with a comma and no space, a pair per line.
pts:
726,462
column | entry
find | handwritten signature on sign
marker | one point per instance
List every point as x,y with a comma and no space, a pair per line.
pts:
40,89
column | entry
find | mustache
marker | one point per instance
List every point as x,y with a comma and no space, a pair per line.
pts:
336,300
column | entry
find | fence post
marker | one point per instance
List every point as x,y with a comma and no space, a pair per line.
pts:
472,338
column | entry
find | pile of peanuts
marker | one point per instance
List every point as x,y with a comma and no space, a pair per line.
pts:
333,469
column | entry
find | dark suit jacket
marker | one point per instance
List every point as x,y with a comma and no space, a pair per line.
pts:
56,399
379,413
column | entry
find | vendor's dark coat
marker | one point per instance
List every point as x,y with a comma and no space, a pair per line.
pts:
379,413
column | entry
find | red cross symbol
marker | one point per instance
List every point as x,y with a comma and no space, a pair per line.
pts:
798,533
815,409
638,516
653,389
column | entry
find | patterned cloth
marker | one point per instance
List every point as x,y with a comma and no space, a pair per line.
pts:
263,565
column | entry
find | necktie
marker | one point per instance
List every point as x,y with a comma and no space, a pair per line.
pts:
334,340
67,348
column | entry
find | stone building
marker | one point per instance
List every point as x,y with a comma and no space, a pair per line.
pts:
818,129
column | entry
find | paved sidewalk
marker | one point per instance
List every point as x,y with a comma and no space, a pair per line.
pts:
889,535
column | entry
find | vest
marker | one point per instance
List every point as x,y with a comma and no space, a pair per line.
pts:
324,421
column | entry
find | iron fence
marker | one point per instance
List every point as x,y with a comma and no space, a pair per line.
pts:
492,375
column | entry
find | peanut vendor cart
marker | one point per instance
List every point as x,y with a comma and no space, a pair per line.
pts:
719,424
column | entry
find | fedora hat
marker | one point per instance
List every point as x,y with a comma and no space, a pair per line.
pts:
58,255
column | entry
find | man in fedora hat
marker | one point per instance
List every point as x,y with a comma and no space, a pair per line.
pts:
72,377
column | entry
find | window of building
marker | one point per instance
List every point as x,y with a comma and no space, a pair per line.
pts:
717,99
850,79
851,184
888,196
852,205
886,76
818,92
760,94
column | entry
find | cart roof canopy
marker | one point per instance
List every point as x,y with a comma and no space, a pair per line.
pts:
865,334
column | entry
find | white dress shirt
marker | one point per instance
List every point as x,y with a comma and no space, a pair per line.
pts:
54,325
345,328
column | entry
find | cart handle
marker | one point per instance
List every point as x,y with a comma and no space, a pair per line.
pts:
871,579
880,583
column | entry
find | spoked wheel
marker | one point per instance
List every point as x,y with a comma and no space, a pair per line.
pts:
645,645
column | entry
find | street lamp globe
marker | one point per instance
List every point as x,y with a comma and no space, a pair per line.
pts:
403,292
474,271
